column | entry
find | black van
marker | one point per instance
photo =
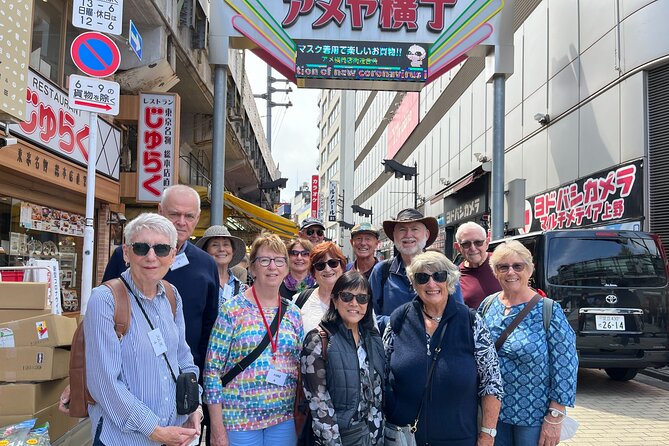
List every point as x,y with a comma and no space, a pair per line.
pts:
612,286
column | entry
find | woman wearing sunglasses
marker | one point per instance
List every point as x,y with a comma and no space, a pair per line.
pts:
299,278
531,355
344,385
442,363
132,380
253,404
327,265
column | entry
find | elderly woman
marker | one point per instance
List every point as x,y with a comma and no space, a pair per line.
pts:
250,373
442,363
344,385
531,357
299,278
327,265
132,378
227,251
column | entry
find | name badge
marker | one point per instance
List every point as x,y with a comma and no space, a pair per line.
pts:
276,377
179,261
157,342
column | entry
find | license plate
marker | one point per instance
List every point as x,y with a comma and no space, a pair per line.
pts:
610,323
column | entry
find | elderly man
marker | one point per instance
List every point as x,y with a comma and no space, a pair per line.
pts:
476,277
364,240
411,233
313,230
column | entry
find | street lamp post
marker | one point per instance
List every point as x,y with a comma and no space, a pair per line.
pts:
408,172
362,211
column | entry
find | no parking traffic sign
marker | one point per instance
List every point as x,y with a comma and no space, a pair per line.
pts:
95,54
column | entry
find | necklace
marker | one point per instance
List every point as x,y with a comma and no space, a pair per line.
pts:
434,318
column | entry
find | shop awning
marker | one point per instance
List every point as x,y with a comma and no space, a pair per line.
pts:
458,184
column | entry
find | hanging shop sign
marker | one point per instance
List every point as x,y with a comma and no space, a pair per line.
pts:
314,196
470,203
332,201
608,196
157,149
52,124
404,121
371,44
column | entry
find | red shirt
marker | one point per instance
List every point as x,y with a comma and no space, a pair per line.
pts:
477,283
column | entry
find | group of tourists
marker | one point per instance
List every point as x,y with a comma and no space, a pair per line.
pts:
409,350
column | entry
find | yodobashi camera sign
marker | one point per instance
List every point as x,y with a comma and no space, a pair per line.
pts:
379,44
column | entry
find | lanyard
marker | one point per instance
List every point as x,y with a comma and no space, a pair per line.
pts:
273,342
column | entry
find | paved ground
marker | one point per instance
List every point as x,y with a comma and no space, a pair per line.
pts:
635,413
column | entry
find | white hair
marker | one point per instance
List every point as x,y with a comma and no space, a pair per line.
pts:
152,222
179,188
469,226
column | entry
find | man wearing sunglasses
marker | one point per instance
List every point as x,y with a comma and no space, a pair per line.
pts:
313,230
476,277
364,240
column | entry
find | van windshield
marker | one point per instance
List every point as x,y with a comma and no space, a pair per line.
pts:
623,262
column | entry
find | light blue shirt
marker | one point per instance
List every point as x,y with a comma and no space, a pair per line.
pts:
226,291
134,390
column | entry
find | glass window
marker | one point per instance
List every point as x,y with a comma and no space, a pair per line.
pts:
47,39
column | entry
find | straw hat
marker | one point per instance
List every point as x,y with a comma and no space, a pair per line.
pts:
221,231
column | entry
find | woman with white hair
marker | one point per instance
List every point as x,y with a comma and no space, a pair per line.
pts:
442,364
132,379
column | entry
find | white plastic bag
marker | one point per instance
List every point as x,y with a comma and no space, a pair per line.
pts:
569,428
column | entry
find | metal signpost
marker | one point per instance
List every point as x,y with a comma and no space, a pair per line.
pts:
98,56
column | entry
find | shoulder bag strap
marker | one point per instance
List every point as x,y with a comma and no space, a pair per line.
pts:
248,360
169,292
324,341
121,306
512,326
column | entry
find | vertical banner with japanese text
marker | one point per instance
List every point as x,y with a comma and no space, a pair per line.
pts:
332,201
314,196
157,144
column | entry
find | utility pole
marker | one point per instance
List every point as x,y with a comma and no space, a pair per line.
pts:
268,97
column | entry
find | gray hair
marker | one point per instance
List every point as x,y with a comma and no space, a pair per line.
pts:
469,226
430,262
182,188
152,222
509,248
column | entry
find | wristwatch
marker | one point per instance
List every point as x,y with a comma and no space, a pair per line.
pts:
555,412
490,431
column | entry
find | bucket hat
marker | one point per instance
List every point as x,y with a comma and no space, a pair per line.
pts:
221,231
411,215
365,227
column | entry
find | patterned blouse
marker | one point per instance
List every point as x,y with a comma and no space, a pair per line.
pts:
536,367
250,402
325,427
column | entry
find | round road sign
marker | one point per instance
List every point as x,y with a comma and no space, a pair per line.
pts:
95,54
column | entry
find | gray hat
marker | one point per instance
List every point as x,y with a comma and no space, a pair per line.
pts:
308,222
221,231
365,227
411,215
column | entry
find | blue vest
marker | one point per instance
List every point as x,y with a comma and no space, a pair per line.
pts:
448,416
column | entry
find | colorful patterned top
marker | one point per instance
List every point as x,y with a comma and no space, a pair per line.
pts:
536,367
249,402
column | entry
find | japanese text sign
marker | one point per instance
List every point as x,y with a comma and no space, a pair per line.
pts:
98,15
332,201
608,196
94,95
314,196
157,140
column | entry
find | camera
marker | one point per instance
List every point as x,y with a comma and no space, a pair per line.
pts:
122,218
4,141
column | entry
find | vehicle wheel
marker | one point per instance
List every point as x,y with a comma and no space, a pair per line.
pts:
621,374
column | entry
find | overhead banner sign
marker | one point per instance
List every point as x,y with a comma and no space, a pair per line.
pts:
609,196
54,125
157,148
314,196
401,43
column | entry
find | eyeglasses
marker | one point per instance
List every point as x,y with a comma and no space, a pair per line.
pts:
503,268
296,253
332,263
142,249
265,261
176,216
317,231
423,278
467,243
347,297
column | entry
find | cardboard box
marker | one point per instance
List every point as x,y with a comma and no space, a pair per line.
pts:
24,295
33,364
49,330
30,398
59,423
15,315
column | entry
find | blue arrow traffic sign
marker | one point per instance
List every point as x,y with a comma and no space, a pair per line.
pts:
135,40
95,54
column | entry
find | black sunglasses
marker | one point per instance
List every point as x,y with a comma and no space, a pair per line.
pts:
142,249
347,297
296,253
423,278
467,243
332,263
317,231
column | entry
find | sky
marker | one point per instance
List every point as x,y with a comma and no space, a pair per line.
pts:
294,131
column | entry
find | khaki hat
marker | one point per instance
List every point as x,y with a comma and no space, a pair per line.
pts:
411,215
221,231
365,227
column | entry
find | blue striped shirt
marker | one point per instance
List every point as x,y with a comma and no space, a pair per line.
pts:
134,389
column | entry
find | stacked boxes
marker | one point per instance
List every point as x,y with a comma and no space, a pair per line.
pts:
34,357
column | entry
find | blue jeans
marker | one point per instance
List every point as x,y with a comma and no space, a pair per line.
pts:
512,435
282,434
